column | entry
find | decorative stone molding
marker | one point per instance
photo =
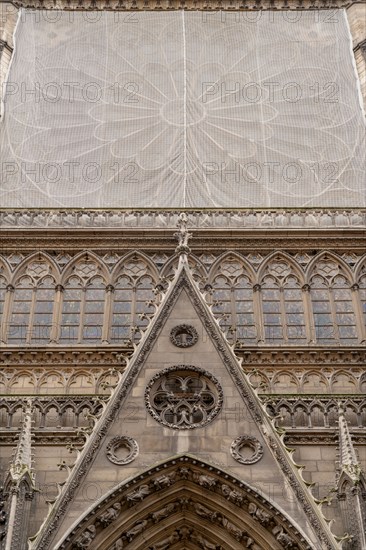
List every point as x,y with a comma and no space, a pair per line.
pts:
183,336
246,441
164,219
198,401
184,4
118,442
162,483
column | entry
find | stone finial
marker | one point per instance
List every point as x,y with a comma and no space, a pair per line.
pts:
183,235
22,460
348,461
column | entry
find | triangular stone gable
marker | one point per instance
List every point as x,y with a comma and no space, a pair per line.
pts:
126,415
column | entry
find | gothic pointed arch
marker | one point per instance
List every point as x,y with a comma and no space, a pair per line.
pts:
282,301
184,503
231,281
360,268
134,279
83,301
38,263
335,315
30,307
327,257
89,265
279,257
5,271
134,257
231,257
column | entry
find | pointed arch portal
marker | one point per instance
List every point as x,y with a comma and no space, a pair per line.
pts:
184,504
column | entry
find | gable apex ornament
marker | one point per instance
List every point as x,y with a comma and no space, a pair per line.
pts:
183,235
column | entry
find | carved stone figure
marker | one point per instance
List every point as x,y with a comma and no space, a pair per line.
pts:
231,528
204,512
118,545
205,481
167,542
259,514
136,529
110,514
85,540
163,481
203,542
138,495
232,495
164,512
284,539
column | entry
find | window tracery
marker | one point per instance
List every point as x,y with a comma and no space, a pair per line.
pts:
232,302
334,318
183,397
32,308
82,309
132,304
282,304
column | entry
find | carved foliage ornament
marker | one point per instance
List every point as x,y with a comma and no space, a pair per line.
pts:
183,397
250,442
183,336
117,443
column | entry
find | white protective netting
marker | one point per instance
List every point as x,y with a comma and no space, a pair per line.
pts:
182,109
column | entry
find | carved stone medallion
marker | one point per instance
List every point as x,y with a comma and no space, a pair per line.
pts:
183,336
122,442
183,397
246,449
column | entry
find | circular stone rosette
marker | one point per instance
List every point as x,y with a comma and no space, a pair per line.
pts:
246,441
122,441
183,336
183,397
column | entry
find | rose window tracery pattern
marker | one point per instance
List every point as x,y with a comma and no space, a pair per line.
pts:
183,397
183,110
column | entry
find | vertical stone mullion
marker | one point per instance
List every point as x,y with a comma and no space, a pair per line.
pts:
308,314
56,317
283,314
82,311
356,301
257,298
29,331
6,313
334,315
107,315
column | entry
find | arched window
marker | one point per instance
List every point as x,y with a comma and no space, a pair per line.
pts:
283,309
232,300
32,310
333,310
122,310
82,310
20,311
43,311
131,307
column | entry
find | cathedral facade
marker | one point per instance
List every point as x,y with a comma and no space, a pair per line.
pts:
183,275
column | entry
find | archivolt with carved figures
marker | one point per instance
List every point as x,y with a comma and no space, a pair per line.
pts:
184,503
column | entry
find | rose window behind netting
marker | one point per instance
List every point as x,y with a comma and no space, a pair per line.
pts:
182,109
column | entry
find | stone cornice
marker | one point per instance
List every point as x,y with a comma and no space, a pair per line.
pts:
209,241
161,219
227,5
106,356
66,357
